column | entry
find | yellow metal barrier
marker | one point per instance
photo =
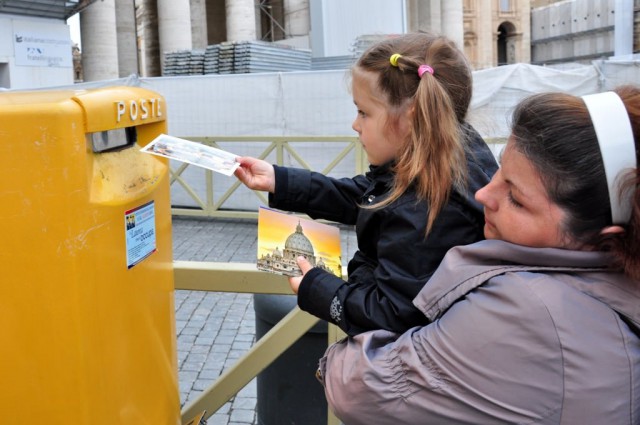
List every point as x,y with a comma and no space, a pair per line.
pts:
243,278
211,207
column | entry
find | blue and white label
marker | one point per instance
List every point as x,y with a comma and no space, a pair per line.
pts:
140,231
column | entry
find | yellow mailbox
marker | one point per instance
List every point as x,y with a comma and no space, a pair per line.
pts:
87,331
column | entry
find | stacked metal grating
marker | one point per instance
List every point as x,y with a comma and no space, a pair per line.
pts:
261,56
363,42
332,62
225,58
240,57
177,63
196,62
183,62
211,59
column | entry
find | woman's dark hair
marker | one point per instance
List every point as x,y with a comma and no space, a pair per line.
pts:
555,132
432,158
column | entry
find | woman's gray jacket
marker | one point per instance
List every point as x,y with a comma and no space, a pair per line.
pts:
518,336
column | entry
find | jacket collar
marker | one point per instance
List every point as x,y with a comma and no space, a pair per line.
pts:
381,177
466,267
384,170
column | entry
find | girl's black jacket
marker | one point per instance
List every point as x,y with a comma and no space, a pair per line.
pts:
394,259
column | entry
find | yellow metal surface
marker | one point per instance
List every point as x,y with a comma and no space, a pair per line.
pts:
228,277
83,338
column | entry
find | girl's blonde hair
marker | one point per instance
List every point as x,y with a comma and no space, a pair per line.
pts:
433,156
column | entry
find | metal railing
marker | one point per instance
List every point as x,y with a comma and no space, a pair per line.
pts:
263,147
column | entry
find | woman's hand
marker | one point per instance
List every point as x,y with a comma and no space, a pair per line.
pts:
305,266
256,174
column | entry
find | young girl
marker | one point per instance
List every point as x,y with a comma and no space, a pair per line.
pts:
538,324
412,94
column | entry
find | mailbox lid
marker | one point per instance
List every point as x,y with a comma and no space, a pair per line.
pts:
10,98
118,107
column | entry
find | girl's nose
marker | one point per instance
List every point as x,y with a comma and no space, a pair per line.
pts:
355,126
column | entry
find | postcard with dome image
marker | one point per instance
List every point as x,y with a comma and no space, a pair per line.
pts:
283,237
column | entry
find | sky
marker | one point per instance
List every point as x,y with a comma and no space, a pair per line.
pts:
74,23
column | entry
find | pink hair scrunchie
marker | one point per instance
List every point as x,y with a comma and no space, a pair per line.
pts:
424,68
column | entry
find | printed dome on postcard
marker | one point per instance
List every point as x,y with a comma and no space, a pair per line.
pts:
299,242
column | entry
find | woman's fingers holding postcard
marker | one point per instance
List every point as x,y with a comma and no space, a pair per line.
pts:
295,281
255,173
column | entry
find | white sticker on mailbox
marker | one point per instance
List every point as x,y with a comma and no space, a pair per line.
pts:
140,225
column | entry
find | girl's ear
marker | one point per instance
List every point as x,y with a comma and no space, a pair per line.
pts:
611,230
410,111
406,118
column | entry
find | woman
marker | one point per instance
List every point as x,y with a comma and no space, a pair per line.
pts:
540,322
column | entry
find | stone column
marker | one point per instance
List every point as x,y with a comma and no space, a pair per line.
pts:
148,42
174,26
297,23
485,53
453,21
127,38
524,40
241,20
296,18
198,24
424,15
99,41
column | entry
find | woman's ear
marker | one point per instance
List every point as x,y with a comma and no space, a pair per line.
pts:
612,230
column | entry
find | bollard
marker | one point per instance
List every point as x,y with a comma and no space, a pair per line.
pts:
288,391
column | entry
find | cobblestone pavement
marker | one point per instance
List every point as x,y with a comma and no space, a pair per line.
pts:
214,329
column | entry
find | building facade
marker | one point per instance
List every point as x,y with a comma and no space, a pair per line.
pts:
34,52
584,30
124,37
497,32
491,32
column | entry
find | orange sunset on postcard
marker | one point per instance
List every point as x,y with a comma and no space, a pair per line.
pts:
283,237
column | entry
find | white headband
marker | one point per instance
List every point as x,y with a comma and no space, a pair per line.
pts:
617,147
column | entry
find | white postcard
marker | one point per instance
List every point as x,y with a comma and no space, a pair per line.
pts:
194,153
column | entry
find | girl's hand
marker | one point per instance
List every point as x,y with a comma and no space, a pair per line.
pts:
305,266
256,174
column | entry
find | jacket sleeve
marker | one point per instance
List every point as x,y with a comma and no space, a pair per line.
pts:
317,195
493,357
380,292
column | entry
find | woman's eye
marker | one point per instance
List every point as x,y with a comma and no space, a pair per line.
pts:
361,113
513,201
